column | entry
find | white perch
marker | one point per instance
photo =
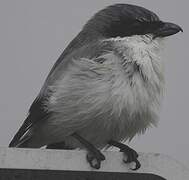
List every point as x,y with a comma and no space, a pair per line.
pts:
21,160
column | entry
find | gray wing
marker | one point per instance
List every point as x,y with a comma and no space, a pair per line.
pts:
37,112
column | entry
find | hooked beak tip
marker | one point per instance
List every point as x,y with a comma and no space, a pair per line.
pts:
168,29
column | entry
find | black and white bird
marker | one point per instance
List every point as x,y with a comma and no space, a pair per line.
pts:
105,88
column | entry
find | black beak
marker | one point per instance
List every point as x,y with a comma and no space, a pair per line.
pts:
167,29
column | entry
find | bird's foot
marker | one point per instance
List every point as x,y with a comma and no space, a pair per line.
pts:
94,158
130,155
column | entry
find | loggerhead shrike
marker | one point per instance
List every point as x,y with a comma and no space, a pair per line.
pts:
104,89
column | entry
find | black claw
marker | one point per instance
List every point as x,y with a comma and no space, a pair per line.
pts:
132,156
97,165
94,156
94,163
95,159
138,165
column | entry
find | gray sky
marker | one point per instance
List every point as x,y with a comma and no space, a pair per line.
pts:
34,33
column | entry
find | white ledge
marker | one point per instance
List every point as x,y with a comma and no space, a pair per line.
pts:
41,159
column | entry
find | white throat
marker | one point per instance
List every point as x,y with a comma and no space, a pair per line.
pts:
143,51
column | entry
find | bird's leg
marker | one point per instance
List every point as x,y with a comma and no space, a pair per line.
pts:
131,154
94,156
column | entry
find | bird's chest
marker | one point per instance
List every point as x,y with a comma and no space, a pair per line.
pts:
137,87
138,74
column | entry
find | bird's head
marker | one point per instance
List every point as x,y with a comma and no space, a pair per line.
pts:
122,20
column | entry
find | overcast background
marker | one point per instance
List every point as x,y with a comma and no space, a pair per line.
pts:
33,33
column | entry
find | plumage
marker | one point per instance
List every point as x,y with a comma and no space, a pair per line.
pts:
107,84
102,103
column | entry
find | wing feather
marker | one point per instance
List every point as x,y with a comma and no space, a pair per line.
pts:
38,110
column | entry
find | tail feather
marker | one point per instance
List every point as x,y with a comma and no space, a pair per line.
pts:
22,135
22,143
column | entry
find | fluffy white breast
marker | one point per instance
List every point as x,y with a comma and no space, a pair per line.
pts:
138,83
140,65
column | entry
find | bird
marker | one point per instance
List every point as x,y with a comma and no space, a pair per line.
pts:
104,89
